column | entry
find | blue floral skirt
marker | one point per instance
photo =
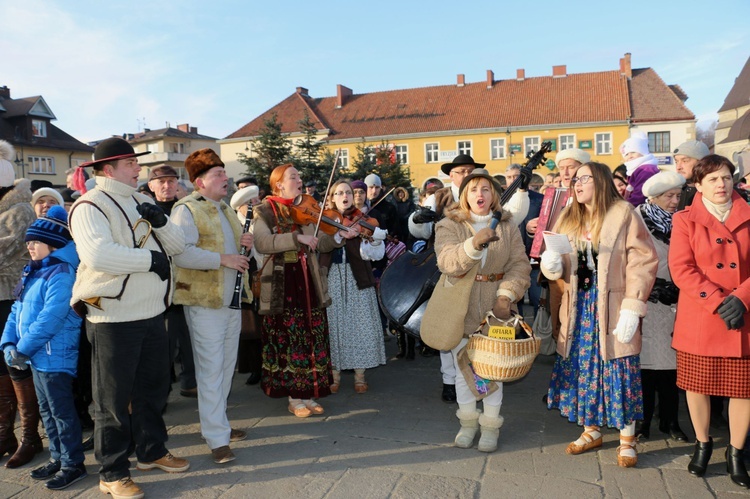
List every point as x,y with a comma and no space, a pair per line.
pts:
591,391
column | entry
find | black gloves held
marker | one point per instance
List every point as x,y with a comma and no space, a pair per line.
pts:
732,312
155,215
159,264
664,292
424,215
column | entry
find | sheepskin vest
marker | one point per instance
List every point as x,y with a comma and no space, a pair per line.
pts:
205,288
16,214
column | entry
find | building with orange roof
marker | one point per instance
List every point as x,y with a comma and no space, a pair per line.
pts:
496,121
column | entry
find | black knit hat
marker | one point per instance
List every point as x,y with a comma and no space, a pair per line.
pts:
51,228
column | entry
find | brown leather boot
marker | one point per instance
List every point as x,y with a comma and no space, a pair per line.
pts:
28,408
8,441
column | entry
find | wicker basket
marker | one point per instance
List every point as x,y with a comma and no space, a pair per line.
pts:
502,360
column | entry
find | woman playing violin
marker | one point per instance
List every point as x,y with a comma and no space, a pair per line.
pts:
296,360
354,318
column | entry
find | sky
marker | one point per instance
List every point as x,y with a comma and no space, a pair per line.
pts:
108,68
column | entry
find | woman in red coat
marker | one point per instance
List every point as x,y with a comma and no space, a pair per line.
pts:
709,262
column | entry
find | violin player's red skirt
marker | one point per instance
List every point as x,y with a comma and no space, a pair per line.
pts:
721,376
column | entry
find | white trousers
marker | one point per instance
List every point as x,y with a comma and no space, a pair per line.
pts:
464,394
447,367
215,334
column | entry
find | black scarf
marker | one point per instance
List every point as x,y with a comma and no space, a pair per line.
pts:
658,221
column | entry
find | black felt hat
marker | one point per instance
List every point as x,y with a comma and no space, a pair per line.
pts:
460,160
112,149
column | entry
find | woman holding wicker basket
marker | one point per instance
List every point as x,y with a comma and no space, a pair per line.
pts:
596,379
465,243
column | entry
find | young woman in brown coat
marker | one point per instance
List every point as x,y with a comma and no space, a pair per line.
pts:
502,279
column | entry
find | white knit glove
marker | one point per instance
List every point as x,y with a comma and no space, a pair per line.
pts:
626,325
379,234
552,261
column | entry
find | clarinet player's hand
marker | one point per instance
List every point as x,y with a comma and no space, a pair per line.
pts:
247,241
237,262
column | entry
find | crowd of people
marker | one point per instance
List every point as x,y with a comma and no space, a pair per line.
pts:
117,283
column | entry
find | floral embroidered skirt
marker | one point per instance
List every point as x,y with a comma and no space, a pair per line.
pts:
591,391
296,355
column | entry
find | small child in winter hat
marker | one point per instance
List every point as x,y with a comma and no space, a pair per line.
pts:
51,229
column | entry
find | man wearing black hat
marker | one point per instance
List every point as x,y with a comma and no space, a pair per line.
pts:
123,286
162,180
421,225
311,190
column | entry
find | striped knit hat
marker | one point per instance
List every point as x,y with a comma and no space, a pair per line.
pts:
51,228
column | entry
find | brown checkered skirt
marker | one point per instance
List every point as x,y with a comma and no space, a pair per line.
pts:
722,376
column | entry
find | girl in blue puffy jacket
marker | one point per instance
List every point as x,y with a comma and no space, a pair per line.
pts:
43,331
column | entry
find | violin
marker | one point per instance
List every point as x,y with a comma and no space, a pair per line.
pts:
367,225
305,210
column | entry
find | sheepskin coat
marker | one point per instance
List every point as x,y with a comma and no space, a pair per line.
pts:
16,215
626,271
456,256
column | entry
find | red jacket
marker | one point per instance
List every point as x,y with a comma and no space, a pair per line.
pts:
709,261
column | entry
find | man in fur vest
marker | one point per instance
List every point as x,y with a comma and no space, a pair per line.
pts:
123,286
206,276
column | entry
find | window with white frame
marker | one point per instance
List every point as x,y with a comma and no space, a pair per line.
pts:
39,128
402,154
344,158
152,148
497,148
659,142
531,144
432,152
464,147
567,142
603,143
42,164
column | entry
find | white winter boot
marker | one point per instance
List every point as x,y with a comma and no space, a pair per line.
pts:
490,432
469,428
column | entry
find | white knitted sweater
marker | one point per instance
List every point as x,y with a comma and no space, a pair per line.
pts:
112,267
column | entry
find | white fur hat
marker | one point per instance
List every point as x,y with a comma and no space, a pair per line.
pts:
7,172
577,154
243,196
47,191
638,142
661,183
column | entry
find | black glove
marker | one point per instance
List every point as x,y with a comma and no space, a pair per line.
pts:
424,215
664,292
525,179
159,265
732,311
155,215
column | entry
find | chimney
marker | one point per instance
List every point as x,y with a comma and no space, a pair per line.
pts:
559,71
194,129
520,74
625,67
342,93
4,92
490,78
460,80
302,91
185,127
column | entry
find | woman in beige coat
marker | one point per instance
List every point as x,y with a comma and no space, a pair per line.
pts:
596,379
501,280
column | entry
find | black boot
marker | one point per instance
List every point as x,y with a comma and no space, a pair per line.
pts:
8,441
449,393
401,338
676,433
643,429
701,457
736,467
410,341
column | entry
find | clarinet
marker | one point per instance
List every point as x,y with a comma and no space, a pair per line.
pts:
237,296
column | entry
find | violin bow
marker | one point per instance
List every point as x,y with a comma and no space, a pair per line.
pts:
330,180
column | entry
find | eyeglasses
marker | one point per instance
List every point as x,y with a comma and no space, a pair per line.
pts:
462,171
583,179
342,193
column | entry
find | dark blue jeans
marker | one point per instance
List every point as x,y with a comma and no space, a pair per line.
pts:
55,394
130,365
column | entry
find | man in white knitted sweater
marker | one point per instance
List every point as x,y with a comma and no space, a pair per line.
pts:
123,286
206,273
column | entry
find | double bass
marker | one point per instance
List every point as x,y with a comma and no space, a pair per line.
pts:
407,283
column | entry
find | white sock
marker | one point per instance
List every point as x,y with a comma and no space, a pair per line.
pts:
468,408
593,432
491,411
628,431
